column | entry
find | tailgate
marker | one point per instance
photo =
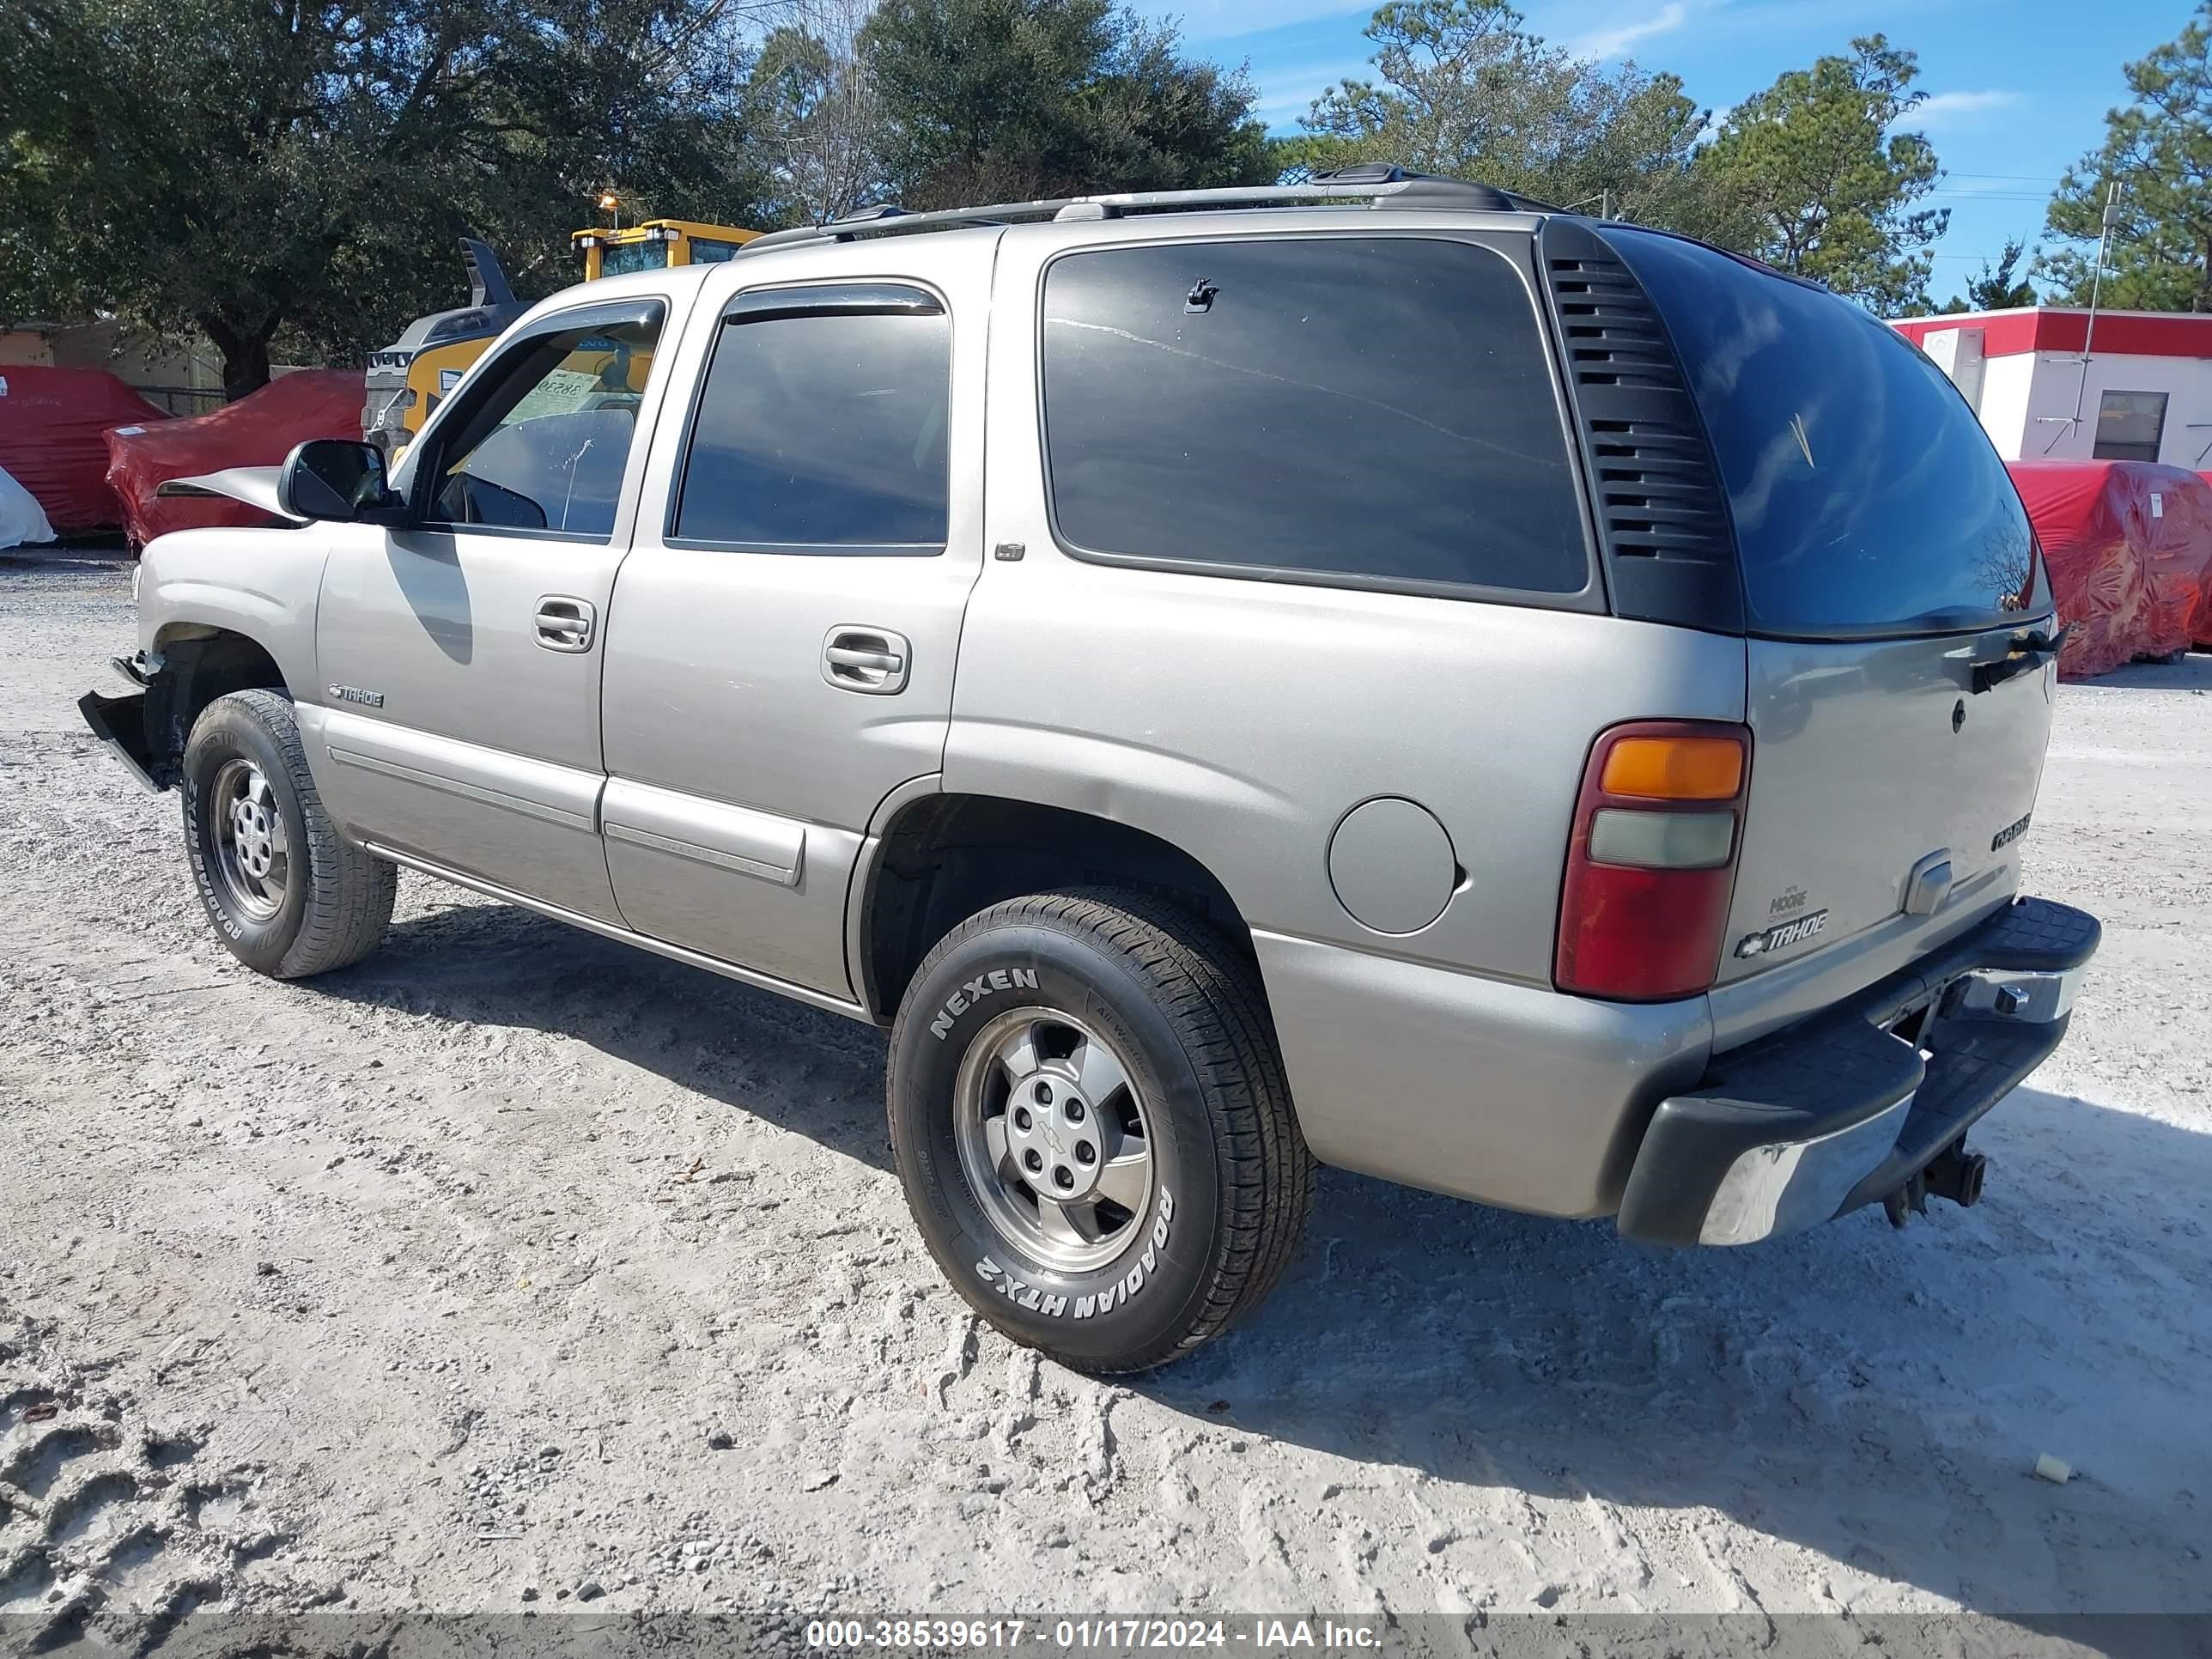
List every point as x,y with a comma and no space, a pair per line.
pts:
1883,785
1885,557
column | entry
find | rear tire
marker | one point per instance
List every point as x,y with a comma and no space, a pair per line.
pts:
285,891
1089,1116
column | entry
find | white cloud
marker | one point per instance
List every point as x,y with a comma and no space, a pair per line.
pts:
1613,42
1956,109
1217,19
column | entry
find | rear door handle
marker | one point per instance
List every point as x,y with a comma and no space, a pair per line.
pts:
873,661
564,623
2028,652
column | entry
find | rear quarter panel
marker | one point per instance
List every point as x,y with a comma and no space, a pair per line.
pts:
1243,720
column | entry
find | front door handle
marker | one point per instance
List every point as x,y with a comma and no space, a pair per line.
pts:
873,661
564,623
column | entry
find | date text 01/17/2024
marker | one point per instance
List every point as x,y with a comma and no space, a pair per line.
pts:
1258,1634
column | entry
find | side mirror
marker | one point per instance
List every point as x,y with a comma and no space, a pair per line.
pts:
335,478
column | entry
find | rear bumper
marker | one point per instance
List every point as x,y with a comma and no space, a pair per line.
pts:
1838,1110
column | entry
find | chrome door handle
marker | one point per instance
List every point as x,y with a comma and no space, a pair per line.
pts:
845,656
564,623
871,660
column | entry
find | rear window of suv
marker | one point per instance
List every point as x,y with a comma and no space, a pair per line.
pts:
1866,496
1361,410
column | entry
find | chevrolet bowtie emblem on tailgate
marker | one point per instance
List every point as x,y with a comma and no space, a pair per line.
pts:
1776,938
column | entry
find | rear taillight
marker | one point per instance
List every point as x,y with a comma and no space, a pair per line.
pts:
1651,862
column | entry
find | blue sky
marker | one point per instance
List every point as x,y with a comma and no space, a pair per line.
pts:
2018,88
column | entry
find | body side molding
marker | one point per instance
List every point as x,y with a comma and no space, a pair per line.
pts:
740,838
535,789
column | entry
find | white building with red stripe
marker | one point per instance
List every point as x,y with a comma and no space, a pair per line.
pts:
2143,391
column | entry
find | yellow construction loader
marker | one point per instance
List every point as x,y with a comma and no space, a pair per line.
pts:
408,377
655,245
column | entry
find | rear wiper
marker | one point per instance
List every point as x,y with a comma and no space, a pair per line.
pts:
2031,649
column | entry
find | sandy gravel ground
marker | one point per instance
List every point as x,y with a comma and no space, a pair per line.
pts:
514,1268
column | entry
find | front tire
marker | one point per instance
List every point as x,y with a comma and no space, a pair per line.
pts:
1089,1116
284,890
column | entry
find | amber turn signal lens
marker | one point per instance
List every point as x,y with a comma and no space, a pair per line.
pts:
1674,769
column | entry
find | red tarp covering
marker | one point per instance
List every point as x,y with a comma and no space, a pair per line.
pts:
2129,547
258,430
2200,627
50,423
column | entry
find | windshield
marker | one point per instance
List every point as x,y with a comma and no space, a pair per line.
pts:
620,259
1866,498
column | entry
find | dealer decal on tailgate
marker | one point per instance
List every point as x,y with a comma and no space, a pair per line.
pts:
1777,938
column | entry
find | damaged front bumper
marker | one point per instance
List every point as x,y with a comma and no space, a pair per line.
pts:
120,723
1851,1105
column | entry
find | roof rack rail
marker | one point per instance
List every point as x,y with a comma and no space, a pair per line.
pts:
1433,189
1381,183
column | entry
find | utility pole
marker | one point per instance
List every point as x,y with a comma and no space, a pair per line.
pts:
2097,279
2067,423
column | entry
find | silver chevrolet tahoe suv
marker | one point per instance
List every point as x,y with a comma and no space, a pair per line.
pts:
1381,672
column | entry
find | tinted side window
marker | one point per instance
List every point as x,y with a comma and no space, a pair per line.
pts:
1380,408
1866,496
822,430
546,448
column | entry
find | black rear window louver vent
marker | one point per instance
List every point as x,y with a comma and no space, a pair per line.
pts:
1655,490
1661,514
1613,337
